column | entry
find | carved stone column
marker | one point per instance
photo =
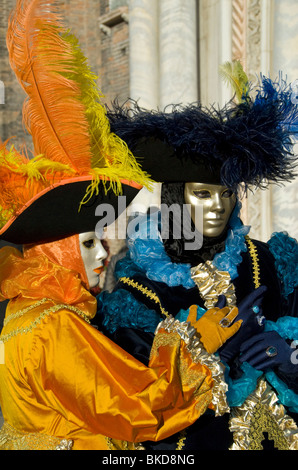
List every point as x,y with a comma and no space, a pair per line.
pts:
144,52
215,48
178,51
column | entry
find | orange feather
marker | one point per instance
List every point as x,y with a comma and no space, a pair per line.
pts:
41,60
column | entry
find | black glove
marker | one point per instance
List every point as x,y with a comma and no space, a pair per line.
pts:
250,312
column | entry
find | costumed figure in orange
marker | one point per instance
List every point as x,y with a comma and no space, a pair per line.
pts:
63,384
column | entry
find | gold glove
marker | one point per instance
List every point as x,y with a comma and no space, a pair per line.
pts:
215,327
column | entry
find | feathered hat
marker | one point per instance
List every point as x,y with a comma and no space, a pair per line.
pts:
248,142
78,163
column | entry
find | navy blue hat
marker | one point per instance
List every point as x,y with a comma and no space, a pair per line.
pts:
248,143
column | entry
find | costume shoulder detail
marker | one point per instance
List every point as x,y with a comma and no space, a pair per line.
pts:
21,327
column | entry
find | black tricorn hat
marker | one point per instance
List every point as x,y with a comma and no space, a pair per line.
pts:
248,144
58,212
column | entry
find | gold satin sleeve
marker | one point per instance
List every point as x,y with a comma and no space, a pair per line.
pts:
93,383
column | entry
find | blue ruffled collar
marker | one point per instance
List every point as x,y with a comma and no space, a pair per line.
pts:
148,253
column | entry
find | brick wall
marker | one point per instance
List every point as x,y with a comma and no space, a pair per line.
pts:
11,111
107,53
114,66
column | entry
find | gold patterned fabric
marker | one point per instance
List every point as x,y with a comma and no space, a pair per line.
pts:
12,439
211,282
262,413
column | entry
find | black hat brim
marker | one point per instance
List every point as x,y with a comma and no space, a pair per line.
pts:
162,163
58,213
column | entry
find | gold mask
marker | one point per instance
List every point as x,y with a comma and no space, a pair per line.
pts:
218,203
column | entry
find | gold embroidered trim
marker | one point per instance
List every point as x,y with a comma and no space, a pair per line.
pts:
199,355
211,283
124,445
261,412
12,439
38,320
149,293
189,378
255,261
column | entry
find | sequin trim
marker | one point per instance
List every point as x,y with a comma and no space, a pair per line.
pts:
113,444
181,440
20,313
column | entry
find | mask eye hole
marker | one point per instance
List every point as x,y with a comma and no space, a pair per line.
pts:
89,243
202,193
227,193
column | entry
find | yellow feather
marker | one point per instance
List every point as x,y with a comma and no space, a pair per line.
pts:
233,74
110,154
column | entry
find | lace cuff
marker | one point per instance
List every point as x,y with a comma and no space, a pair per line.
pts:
199,355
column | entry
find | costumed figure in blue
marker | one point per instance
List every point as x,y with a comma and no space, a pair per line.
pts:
206,158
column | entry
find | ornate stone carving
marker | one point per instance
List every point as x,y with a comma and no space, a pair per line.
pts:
239,18
253,37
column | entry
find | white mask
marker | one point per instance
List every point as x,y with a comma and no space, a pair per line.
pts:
93,255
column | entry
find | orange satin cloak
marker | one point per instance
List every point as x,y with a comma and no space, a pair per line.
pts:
62,378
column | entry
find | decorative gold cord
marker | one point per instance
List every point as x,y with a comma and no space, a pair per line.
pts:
255,261
149,293
37,321
182,439
20,313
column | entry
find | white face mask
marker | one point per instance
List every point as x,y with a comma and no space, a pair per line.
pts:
93,255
